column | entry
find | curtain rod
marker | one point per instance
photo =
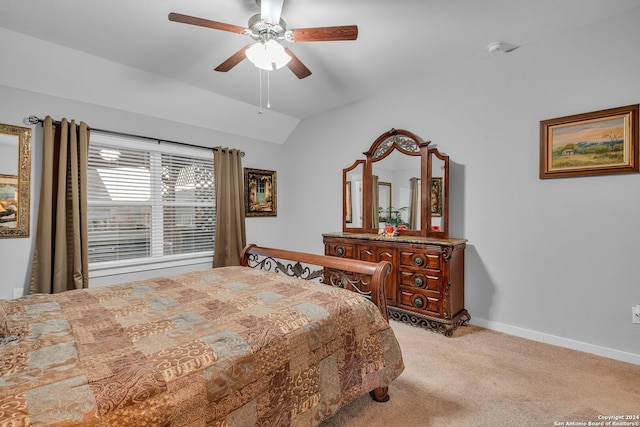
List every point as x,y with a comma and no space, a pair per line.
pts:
35,120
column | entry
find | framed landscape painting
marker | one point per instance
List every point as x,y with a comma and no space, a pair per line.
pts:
597,143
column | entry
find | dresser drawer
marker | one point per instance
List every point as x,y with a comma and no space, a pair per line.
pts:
421,280
420,301
340,249
420,260
426,285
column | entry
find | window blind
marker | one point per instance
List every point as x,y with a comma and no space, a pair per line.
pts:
147,202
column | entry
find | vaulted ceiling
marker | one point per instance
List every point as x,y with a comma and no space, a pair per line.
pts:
397,41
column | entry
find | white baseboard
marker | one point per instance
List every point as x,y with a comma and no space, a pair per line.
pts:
558,341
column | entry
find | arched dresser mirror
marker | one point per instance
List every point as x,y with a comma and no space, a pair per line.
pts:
396,159
396,208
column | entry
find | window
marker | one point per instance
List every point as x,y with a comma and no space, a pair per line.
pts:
148,203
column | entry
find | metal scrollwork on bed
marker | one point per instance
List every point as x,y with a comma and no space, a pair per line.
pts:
272,264
365,278
356,282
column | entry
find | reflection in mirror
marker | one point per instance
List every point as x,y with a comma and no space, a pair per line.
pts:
15,170
384,201
438,169
8,180
9,157
414,204
353,200
437,195
402,172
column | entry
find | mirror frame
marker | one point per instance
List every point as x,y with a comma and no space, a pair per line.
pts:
346,195
445,193
390,193
24,181
381,148
377,152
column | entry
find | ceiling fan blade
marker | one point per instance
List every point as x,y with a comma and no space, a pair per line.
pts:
320,34
270,11
233,60
296,66
186,19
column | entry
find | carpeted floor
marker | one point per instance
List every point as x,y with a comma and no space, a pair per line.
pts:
481,377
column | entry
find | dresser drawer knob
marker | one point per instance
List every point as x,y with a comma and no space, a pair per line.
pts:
418,302
340,251
418,260
418,281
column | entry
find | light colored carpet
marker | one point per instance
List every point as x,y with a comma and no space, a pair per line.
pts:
481,377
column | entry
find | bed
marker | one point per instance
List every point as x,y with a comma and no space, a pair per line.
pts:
229,346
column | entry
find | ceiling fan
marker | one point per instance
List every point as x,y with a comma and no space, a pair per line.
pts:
268,29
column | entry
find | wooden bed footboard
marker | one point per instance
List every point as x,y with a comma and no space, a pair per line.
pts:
366,278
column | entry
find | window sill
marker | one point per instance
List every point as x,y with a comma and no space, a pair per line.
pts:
114,268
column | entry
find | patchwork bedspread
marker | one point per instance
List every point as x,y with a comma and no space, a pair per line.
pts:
230,346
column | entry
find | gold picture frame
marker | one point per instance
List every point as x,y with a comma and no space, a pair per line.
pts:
596,143
15,180
436,197
260,192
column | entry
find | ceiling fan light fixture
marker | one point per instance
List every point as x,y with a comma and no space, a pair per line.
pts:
269,55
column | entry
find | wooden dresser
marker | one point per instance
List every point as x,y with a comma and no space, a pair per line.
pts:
426,286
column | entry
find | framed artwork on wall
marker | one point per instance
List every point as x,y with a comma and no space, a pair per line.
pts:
260,192
596,143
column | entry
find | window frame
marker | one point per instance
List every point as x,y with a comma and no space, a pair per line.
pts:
154,262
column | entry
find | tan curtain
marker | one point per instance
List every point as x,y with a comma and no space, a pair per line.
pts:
375,201
61,249
414,204
230,236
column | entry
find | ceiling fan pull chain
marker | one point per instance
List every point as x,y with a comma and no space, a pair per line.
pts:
268,89
260,88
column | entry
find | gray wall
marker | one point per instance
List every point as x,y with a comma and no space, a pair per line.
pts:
15,262
552,260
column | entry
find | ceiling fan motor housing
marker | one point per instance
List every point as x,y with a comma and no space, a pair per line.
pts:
262,31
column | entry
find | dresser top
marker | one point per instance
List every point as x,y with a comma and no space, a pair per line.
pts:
404,239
